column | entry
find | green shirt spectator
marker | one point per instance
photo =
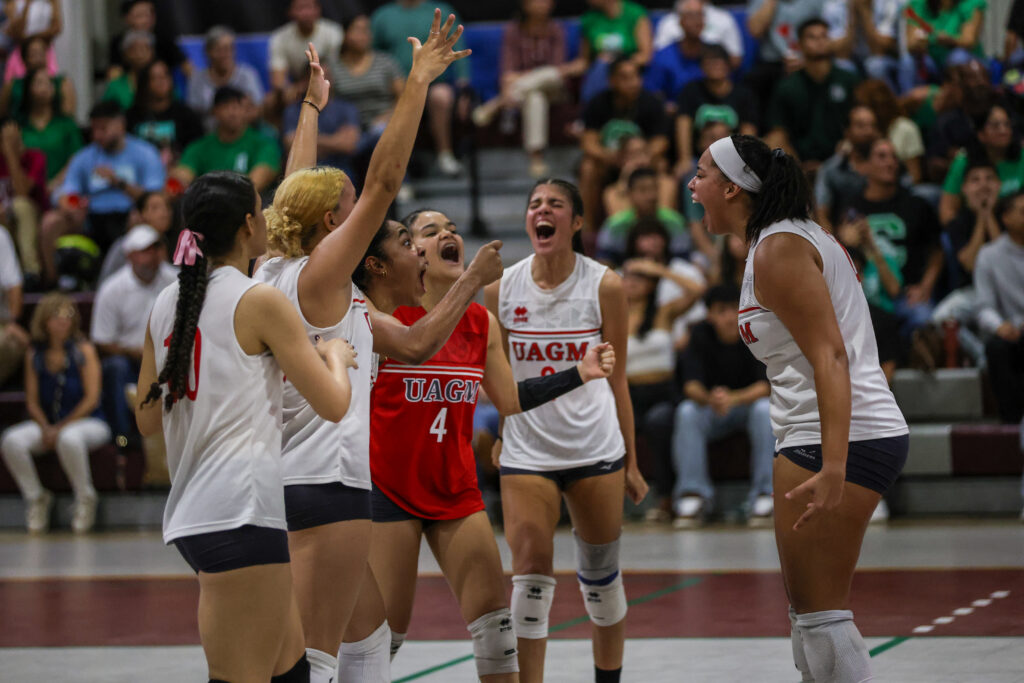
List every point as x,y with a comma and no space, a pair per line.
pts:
393,23
813,113
949,22
59,139
612,35
241,155
1010,171
122,91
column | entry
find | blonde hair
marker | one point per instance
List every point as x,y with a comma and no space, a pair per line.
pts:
300,202
48,307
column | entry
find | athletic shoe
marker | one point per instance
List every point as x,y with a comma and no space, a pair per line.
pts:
881,513
690,512
448,164
83,515
761,511
37,513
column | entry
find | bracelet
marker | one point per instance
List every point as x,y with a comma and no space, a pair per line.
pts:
310,103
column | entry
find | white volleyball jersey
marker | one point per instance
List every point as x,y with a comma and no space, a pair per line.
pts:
315,450
794,401
224,436
550,330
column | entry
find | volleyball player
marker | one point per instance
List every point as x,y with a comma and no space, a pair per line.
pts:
222,341
421,454
842,438
553,306
320,231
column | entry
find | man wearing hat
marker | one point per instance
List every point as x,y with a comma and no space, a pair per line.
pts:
119,320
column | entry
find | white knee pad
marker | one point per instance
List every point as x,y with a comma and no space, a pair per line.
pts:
799,658
494,643
367,660
600,581
531,602
835,651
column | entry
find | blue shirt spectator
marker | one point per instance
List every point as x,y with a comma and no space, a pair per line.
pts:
133,163
339,129
672,69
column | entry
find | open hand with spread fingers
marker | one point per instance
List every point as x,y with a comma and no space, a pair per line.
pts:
430,59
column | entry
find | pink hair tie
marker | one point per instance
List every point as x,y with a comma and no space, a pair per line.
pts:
188,248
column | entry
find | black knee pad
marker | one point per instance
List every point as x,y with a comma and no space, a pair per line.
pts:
297,674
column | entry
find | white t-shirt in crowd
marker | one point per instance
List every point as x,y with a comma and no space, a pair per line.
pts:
288,46
720,28
123,305
10,271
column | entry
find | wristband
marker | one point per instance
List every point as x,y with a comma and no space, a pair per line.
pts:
539,390
310,103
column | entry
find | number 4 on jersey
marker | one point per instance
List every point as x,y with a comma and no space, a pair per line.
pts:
437,427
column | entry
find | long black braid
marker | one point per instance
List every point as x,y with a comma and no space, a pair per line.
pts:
215,206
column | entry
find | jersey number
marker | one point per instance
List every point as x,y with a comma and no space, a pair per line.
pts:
437,427
197,351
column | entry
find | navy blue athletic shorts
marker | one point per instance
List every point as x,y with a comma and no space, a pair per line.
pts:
222,551
387,510
310,505
873,464
563,478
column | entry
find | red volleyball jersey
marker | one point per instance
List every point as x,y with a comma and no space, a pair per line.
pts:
421,423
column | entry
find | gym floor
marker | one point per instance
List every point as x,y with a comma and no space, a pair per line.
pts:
937,601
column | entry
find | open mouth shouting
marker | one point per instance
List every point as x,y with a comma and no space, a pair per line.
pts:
451,253
545,230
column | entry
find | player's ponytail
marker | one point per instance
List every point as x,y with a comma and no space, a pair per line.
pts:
215,207
785,192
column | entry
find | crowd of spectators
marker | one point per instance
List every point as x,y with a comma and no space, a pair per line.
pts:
908,131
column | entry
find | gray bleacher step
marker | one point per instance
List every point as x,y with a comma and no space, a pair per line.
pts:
930,450
942,395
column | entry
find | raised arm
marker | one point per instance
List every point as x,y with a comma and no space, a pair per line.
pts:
417,343
780,262
336,257
303,146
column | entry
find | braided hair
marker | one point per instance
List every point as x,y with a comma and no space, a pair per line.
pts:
215,206
785,192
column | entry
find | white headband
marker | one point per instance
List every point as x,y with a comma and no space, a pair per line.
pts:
729,162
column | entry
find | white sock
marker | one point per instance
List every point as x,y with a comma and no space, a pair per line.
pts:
799,658
367,660
396,643
322,667
836,652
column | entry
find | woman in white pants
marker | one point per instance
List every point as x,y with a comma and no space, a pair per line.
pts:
534,67
62,394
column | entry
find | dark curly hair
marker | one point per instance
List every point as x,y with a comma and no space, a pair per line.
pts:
785,192
215,206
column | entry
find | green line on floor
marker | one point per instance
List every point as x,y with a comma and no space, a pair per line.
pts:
685,583
888,645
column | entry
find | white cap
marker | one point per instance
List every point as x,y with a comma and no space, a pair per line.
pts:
140,237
